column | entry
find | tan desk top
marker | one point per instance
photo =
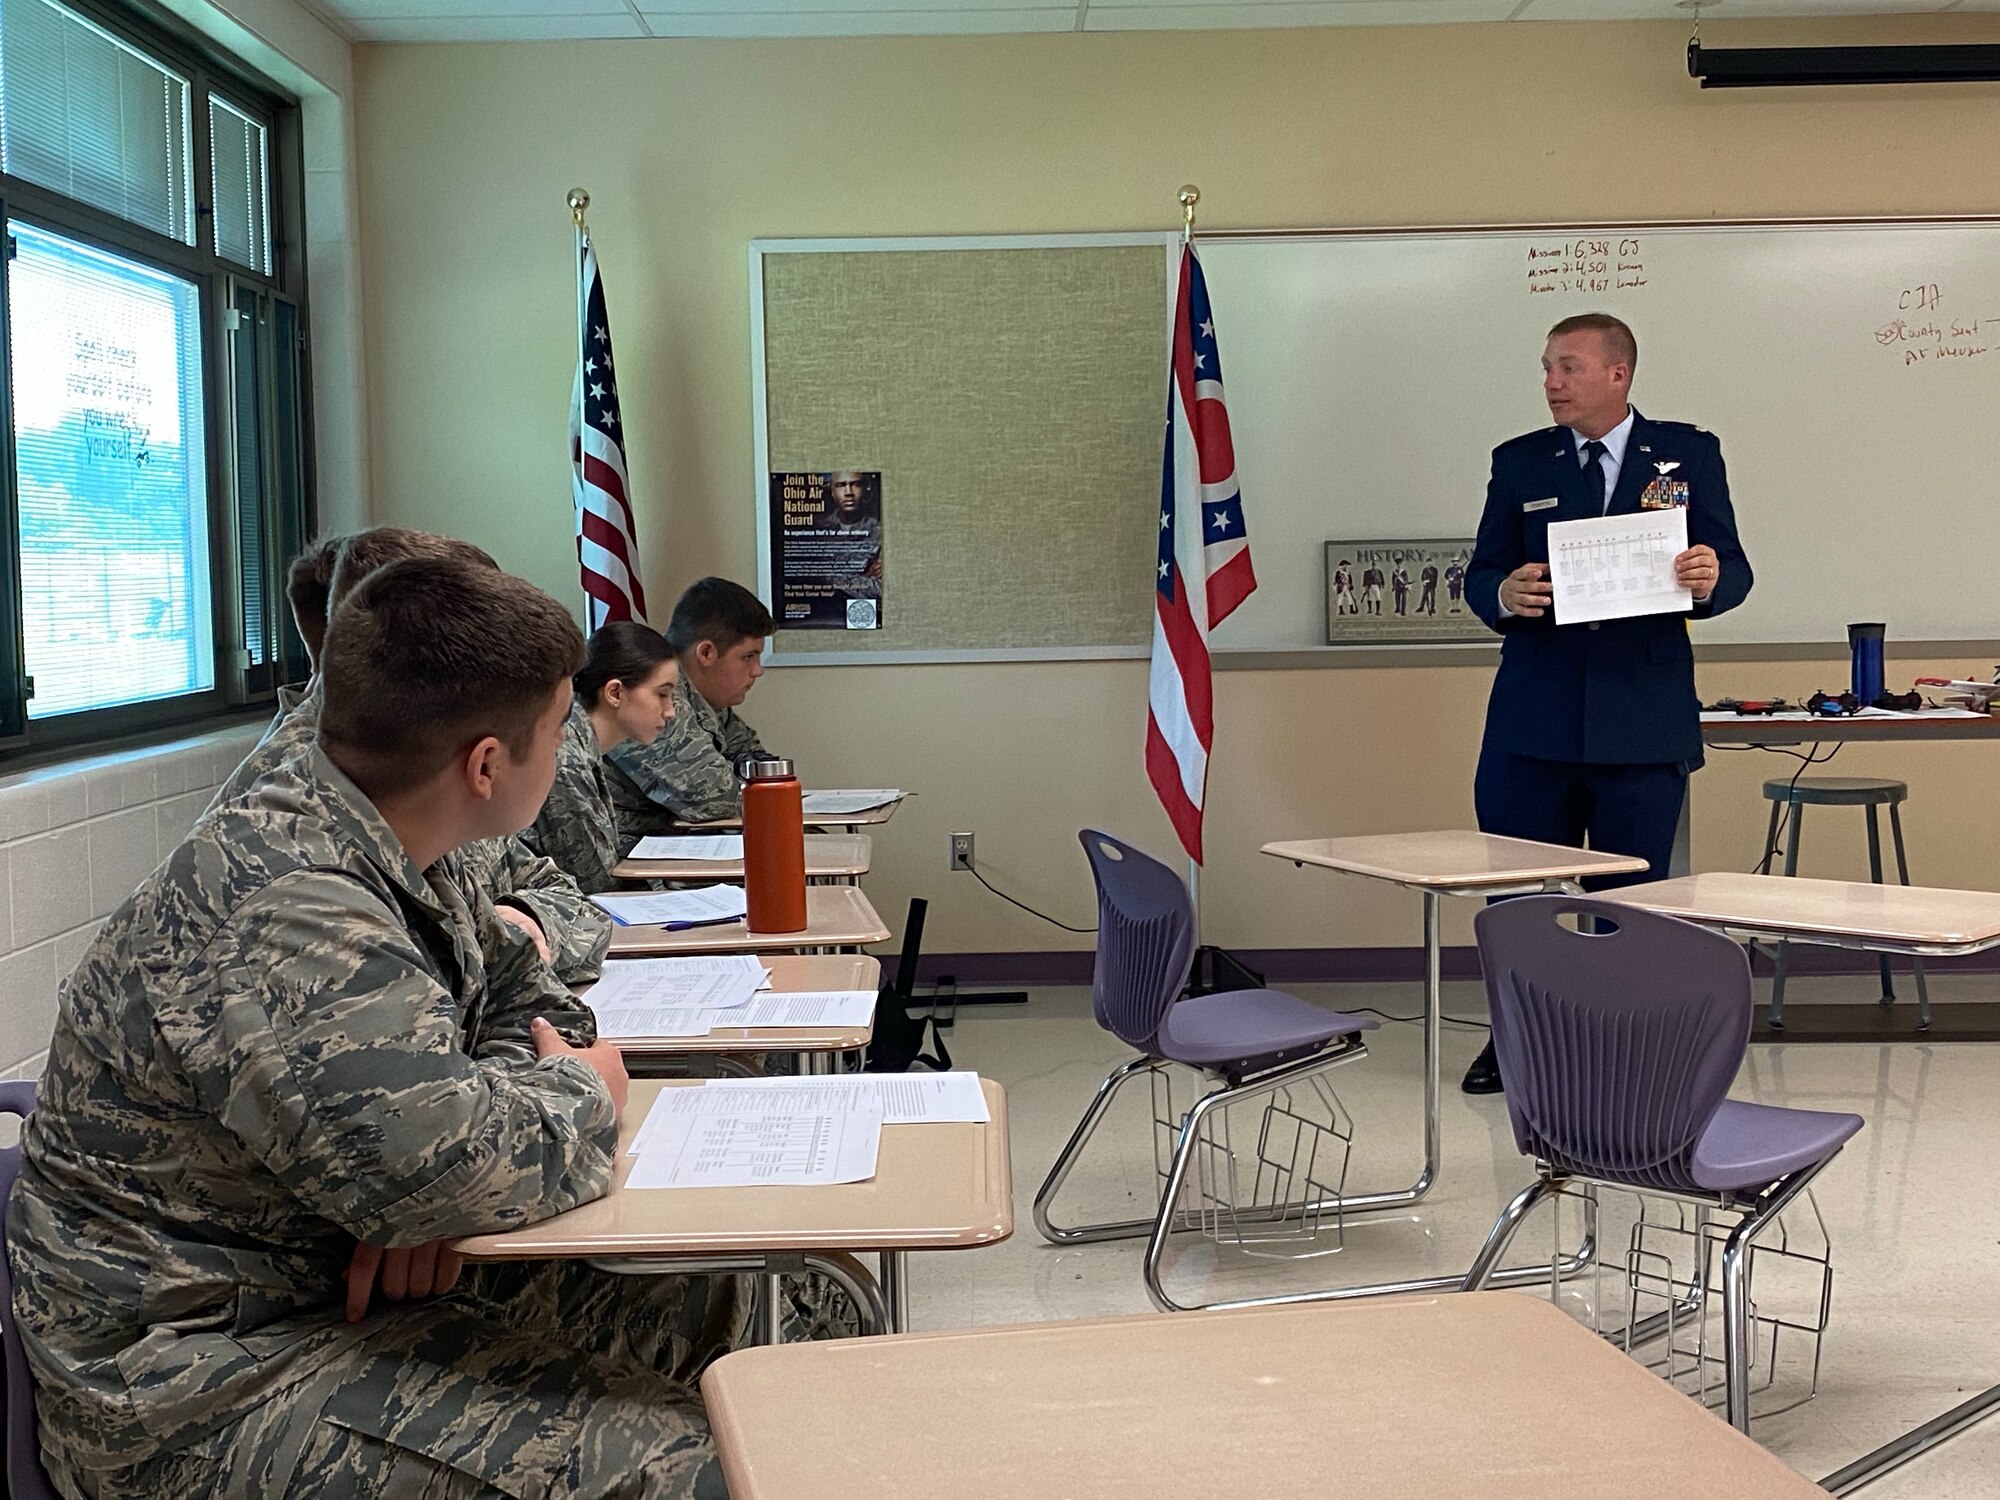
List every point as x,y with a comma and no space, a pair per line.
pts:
1490,1394
1452,859
837,916
791,973
936,1187
828,855
1850,912
868,817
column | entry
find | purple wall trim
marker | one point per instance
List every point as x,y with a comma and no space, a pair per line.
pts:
1363,965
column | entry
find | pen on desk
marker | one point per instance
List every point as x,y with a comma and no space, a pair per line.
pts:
698,922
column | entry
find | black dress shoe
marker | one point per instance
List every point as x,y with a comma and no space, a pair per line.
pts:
1483,1077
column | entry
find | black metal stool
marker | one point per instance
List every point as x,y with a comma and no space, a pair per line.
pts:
1869,792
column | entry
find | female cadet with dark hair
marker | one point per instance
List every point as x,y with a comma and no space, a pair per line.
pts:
625,692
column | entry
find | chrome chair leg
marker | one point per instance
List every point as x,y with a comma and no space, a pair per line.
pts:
1084,1234
1736,1289
1512,1217
1170,1195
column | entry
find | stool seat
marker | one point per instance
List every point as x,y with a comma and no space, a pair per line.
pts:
1836,791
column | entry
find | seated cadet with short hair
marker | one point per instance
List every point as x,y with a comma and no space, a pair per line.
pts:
624,692
532,894
689,775
289,1041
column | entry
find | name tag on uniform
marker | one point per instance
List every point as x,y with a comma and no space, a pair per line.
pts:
1549,504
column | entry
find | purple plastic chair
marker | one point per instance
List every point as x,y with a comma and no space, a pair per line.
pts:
25,1479
1618,1047
1248,1042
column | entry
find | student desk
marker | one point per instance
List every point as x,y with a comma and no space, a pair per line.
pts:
838,918
831,858
936,1187
791,973
1486,1394
1899,919
868,817
1446,863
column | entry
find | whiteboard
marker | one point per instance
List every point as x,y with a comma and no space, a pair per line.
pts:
1851,370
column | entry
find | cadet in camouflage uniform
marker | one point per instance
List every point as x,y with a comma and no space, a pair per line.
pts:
577,933
688,775
624,692
291,1039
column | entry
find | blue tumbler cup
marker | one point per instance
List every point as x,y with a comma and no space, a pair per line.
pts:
1865,642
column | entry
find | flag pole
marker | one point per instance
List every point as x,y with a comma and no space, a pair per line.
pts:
1190,195
579,201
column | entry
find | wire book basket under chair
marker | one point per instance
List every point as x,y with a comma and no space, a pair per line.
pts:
1618,1041
1271,1187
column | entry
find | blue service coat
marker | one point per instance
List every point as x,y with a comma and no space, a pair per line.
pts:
1618,692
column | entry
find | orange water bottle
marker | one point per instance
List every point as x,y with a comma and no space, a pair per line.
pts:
774,847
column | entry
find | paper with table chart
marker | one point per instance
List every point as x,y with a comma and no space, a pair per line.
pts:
803,1008
699,903
634,991
833,804
694,1138
1614,567
905,1098
689,846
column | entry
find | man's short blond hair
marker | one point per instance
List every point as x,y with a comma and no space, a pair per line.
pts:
1618,340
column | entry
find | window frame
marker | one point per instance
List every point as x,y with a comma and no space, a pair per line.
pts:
210,71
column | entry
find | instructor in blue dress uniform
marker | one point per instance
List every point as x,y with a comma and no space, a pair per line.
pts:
1592,729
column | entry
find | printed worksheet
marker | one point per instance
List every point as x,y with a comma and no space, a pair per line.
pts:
1615,567
833,804
695,906
689,846
686,1141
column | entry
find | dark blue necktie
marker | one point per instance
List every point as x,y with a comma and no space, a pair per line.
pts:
1593,472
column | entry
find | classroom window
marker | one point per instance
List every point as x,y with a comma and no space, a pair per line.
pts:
154,393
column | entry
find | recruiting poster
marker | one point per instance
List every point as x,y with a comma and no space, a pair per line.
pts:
826,550
1392,593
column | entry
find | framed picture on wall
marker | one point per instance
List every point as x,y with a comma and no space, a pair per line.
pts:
1400,593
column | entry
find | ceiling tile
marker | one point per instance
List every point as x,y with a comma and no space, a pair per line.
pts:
1722,10
808,12
497,28
1212,15
940,22
468,10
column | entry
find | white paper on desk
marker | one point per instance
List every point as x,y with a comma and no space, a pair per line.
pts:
687,846
905,1098
832,804
699,903
753,1145
815,1008
1614,567
645,983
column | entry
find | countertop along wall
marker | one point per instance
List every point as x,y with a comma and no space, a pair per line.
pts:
692,148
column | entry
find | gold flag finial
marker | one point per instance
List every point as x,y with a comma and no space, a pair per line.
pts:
579,200
1190,195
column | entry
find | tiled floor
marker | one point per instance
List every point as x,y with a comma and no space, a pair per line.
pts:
1911,1207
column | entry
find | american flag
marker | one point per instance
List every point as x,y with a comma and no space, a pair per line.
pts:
1204,564
607,543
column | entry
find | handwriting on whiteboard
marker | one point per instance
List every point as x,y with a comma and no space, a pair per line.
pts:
1590,264
1923,333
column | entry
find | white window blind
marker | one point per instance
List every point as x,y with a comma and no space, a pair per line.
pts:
239,151
84,114
110,450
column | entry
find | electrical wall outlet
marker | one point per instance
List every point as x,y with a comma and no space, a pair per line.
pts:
961,851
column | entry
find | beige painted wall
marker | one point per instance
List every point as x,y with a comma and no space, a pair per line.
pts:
693,148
